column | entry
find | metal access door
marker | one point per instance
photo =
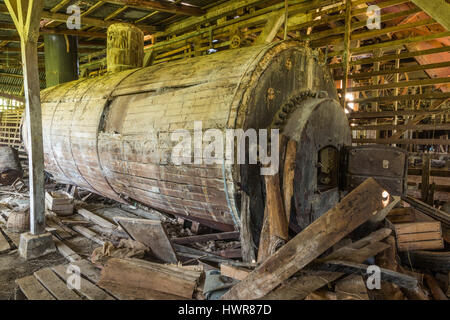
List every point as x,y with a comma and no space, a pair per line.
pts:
388,165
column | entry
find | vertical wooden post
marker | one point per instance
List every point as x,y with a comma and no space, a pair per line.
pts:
26,16
347,54
426,166
286,16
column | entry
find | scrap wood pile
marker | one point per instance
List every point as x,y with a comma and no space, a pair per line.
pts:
143,254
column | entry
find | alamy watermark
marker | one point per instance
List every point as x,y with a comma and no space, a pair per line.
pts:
74,20
203,147
73,280
373,17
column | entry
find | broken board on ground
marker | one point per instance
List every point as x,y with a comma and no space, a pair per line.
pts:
152,234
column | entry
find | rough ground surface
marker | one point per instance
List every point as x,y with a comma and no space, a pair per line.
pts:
13,267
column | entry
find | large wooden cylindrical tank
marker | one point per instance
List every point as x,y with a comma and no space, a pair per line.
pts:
99,133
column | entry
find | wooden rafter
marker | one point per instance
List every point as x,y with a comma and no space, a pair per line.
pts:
163,6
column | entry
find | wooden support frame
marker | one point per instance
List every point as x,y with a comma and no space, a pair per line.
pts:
26,16
163,6
442,142
438,9
347,54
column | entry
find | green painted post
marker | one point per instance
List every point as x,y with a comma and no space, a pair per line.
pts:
61,63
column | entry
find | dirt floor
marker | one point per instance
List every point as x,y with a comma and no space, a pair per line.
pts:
13,267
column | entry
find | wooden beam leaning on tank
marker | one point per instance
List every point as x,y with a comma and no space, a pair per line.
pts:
307,281
354,209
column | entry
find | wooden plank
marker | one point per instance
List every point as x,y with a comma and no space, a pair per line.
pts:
151,233
33,290
437,9
386,57
122,292
430,211
134,273
96,219
87,289
88,233
442,142
233,272
436,290
207,237
288,177
388,114
417,127
354,209
412,237
421,245
163,6
352,287
430,66
416,227
278,226
4,244
65,251
307,281
397,278
401,84
55,285
88,270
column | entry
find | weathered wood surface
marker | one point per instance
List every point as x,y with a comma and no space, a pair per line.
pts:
308,281
55,285
88,233
419,236
355,209
134,273
123,292
436,291
288,177
207,237
65,250
114,159
233,272
151,233
4,244
397,278
278,226
33,290
88,270
352,287
87,289
434,213
95,218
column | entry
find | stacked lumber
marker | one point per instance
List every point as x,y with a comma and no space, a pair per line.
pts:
327,261
331,259
419,236
59,202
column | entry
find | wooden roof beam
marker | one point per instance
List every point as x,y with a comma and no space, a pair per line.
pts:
439,10
163,6
84,20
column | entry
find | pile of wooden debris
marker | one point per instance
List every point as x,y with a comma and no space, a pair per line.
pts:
369,246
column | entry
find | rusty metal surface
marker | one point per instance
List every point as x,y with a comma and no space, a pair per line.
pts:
388,165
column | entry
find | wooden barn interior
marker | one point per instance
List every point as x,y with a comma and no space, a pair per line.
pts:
224,149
